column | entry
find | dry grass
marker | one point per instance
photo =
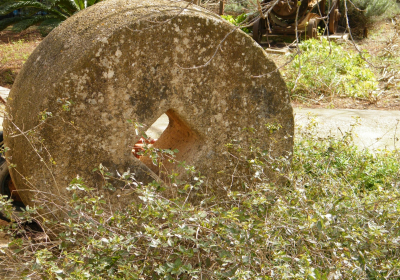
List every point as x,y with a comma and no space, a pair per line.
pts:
15,49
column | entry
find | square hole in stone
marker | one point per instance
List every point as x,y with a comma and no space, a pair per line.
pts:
171,131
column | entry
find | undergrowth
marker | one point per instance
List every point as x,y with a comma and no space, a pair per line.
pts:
366,12
237,7
325,69
388,60
237,21
335,217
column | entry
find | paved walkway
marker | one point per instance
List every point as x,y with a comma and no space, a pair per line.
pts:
4,92
377,129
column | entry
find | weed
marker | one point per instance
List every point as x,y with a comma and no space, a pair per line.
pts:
335,218
326,69
365,12
237,21
237,7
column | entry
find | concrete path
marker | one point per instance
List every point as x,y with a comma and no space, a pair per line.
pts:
377,129
4,94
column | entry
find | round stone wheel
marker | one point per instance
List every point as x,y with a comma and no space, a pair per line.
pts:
117,63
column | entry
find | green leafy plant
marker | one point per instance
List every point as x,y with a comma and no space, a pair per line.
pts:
47,14
365,12
237,20
335,217
325,69
237,7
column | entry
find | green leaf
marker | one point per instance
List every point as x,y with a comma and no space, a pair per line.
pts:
319,225
4,23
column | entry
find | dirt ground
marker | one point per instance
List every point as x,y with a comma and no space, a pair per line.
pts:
15,49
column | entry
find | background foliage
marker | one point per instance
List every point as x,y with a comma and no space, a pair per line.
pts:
237,21
47,14
365,12
324,68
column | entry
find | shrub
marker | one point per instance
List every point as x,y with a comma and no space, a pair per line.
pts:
326,69
47,14
237,7
237,20
365,12
336,218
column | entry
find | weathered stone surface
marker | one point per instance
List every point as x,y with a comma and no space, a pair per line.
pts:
126,60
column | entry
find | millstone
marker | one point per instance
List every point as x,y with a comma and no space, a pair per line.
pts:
76,101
